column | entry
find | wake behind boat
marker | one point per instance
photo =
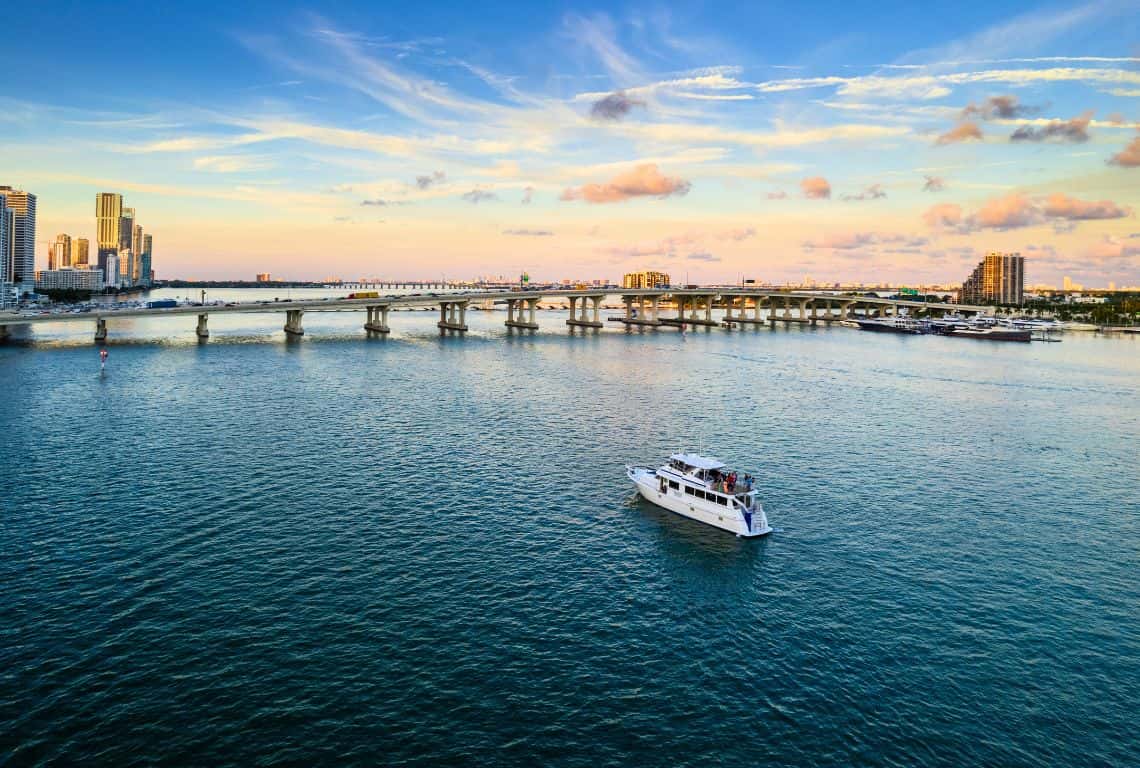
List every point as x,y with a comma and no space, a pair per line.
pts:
703,489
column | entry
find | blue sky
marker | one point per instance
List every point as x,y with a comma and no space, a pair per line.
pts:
571,140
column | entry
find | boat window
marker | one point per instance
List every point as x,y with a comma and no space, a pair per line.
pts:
673,484
688,490
699,494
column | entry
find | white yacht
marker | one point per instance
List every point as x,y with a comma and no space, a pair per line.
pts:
699,487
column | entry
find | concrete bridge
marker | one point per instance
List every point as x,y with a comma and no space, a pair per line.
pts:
654,307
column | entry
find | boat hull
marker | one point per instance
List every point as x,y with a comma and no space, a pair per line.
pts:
992,334
878,326
674,501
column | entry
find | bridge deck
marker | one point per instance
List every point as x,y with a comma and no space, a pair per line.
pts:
392,302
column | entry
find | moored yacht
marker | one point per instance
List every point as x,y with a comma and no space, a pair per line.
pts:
704,489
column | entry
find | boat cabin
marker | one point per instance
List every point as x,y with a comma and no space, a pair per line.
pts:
705,477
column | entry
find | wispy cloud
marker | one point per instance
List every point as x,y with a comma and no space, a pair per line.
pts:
873,192
477,196
528,232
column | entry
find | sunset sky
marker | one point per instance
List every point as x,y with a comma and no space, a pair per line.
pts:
713,140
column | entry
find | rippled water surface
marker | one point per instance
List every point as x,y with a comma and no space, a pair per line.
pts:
420,550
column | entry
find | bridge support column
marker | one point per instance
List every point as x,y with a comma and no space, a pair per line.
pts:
516,317
377,319
100,330
452,316
580,318
203,330
293,327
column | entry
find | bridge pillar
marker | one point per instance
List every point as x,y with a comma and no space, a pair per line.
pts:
452,316
519,320
100,330
293,327
581,318
203,329
803,311
377,321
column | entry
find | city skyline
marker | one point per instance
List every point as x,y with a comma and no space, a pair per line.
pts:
713,145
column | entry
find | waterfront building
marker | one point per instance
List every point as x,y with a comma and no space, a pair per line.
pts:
126,228
646,279
111,270
7,223
69,279
264,277
998,279
146,260
108,211
79,253
23,206
60,253
126,266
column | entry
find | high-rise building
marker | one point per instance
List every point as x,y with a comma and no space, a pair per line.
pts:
61,252
126,228
1067,284
79,252
126,266
137,250
112,270
147,263
998,279
7,224
644,280
108,211
23,206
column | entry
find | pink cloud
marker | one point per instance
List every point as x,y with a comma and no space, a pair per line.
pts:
1020,210
777,195
1062,207
1007,212
965,131
943,216
1112,248
1129,157
816,188
643,181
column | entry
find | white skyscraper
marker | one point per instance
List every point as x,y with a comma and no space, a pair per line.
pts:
7,223
23,205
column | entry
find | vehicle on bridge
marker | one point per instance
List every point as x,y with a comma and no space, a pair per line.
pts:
364,295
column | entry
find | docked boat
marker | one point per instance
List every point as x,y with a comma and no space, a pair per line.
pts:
703,489
894,325
993,333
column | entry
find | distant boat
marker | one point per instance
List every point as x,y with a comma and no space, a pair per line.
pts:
991,334
894,325
700,488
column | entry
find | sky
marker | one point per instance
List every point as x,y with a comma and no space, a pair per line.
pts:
838,141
